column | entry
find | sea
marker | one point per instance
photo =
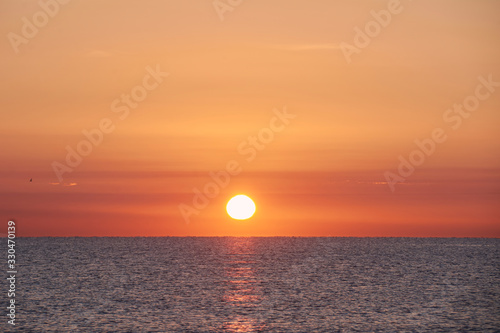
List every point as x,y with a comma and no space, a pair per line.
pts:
268,284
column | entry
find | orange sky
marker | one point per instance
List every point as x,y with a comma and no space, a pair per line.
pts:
324,173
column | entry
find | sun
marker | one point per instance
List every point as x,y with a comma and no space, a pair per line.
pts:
240,207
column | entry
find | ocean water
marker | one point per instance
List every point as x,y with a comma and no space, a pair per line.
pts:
256,285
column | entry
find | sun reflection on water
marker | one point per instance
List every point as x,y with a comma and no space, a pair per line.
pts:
242,287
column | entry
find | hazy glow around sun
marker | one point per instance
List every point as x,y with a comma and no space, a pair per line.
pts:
241,207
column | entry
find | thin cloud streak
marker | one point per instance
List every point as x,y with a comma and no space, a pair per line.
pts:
307,47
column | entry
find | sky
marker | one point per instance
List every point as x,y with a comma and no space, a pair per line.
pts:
338,118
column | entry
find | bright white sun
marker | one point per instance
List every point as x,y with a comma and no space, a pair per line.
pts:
240,207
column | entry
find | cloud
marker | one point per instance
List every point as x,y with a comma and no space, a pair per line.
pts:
370,182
